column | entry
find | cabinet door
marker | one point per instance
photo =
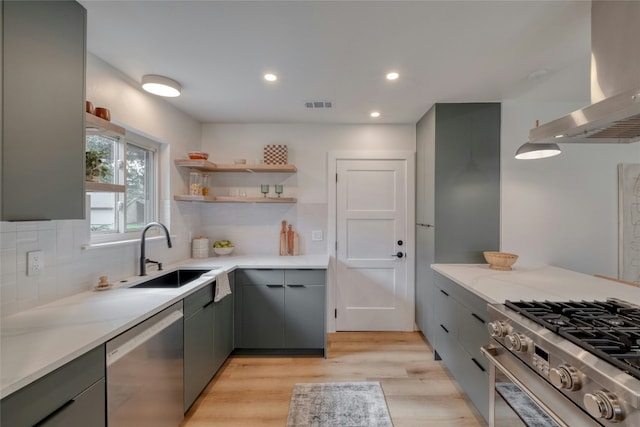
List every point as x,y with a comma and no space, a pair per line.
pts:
263,316
198,353
223,328
43,71
304,316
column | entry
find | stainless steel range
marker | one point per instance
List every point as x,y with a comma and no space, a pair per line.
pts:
564,363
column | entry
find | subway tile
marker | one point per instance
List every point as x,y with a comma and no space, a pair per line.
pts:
27,226
8,261
8,288
8,240
6,226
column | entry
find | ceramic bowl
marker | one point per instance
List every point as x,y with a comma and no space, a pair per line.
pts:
223,251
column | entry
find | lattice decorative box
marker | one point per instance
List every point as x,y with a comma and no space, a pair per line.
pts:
275,154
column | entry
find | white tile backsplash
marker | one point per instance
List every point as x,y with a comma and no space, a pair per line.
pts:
68,269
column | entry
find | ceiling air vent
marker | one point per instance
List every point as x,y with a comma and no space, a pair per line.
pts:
318,104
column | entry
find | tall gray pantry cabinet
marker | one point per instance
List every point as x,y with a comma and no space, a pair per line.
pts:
457,211
43,103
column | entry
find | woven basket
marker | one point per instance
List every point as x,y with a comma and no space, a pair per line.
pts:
500,260
275,154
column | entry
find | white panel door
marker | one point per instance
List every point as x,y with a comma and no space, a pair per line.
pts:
371,226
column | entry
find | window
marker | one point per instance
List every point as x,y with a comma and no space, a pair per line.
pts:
130,161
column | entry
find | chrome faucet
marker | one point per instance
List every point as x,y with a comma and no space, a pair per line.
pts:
143,260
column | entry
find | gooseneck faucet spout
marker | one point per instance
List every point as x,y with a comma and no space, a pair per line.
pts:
143,259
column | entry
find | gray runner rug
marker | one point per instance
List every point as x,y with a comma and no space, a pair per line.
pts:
353,404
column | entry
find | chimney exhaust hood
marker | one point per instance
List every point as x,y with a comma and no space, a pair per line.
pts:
614,115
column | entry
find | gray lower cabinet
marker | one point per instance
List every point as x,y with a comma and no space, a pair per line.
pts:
208,338
281,310
43,110
223,327
72,395
460,332
198,343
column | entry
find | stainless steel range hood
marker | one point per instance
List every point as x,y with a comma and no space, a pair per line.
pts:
614,115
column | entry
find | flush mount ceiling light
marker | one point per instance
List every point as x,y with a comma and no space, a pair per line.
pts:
375,114
392,75
160,85
529,151
270,77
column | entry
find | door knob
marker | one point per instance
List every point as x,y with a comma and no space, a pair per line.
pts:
399,254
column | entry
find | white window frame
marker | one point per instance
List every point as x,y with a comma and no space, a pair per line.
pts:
122,235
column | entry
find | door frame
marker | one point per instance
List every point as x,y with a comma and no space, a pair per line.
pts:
410,162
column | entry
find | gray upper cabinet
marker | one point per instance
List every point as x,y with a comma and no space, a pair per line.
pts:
43,72
457,193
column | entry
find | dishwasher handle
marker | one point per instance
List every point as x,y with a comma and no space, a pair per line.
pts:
143,336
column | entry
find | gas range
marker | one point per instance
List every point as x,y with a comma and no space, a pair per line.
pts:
588,351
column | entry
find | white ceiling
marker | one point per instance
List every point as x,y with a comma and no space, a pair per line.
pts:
340,51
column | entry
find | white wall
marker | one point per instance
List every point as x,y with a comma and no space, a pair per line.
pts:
68,268
562,210
254,228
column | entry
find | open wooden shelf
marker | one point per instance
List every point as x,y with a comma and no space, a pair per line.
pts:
95,125
207,166
234,199
103,188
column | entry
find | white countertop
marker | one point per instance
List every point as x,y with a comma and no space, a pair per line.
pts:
35,342
541,283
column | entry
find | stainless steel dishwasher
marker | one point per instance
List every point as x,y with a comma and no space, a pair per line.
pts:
145,373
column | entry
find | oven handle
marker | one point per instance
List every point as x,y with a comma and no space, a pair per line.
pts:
490,352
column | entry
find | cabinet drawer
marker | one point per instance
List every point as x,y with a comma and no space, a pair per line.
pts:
464,296
194,302
40,399
446,312
475,383
87,409
304,277
260,277
473,334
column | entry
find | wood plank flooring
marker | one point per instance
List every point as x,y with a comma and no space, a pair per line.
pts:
255,390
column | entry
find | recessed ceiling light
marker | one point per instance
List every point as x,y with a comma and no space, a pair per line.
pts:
270,77
392,75
375,114
160,85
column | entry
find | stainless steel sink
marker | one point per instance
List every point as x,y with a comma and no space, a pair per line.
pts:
173,279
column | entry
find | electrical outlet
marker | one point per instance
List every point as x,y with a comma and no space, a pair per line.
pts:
316,235
35,263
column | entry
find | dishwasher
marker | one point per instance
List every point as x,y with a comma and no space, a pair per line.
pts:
145,373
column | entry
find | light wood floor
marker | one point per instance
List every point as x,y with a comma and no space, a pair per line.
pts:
255,391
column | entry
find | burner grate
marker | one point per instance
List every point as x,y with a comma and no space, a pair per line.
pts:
608,329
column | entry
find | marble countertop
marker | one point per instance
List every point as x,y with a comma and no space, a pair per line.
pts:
35,342
539,283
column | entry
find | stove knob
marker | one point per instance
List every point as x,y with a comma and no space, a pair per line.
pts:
565,377
497,329
517,342
604,404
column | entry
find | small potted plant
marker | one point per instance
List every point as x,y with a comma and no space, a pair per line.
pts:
95,167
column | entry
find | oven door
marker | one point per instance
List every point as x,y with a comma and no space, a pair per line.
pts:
521,397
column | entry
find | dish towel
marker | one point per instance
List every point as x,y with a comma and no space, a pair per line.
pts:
222,286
